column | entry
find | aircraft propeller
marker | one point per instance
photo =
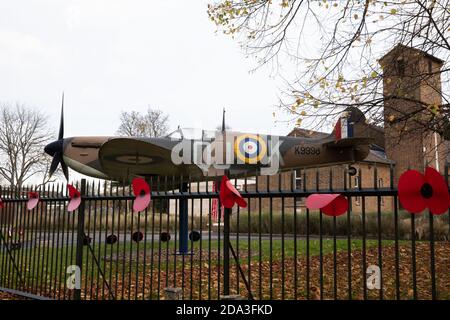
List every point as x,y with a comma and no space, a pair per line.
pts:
55,149
223,121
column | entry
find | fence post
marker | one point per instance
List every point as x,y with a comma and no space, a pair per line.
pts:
183,221
80,238
226,251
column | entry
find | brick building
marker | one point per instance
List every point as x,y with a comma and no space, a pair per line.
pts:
411,80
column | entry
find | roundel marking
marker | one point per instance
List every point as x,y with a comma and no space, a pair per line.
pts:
250,148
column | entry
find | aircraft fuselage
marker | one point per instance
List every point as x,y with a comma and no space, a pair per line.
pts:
82,154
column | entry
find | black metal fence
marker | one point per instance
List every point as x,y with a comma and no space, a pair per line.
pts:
274,249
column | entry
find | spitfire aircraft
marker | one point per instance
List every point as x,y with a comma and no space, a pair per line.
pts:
198,154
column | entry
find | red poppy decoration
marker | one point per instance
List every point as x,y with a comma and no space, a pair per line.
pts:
417,192
330,204
142,192
2,205
33,200
229,195
75,198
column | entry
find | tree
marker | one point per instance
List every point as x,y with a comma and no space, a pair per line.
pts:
23,135
154,123
334,47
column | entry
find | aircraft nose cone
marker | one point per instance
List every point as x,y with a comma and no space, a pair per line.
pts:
54,147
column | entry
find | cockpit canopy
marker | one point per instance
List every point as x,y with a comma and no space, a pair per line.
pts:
192,134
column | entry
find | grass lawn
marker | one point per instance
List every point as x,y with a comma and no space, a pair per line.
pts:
128,266
44,264
51,258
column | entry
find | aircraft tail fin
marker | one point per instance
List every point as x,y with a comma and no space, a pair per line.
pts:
349,129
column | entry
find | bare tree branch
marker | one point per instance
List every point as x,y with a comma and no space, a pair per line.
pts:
23,134
154,123
334,47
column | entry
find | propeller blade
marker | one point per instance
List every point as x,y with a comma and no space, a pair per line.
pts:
61,122
56,148
54,165
65,169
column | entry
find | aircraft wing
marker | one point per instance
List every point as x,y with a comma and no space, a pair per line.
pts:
349,142
123,158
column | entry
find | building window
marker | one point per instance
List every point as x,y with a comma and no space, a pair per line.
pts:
298,185
356,185
380,185
401,67
430,67
297,179
356,181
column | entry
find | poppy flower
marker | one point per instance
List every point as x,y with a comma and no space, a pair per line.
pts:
417,192
164,236
33,200
142,192
75,198
229,195
137,236
2,205
111,239
330,204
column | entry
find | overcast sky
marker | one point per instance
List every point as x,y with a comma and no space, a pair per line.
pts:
109,56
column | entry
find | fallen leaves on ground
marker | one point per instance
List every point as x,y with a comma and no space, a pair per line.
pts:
291,279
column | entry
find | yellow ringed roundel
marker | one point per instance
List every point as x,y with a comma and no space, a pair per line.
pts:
250,148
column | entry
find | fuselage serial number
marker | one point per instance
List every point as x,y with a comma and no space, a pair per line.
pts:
302,150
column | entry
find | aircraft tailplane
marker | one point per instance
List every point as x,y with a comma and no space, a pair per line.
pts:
349,129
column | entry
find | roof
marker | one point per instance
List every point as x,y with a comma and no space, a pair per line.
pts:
403,48
378,157
304,133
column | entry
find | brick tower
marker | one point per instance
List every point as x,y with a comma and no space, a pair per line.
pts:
411,81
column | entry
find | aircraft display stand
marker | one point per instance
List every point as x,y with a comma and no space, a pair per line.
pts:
183,223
